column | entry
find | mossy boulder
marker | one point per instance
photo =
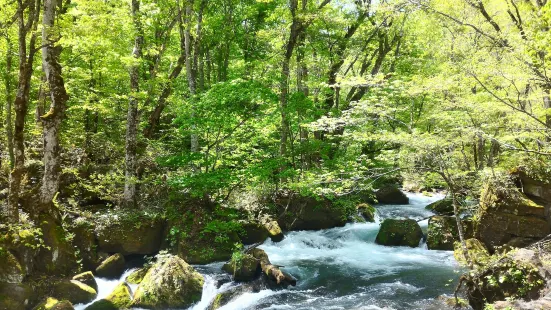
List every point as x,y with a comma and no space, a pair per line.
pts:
120,298
476,250
395,232
11,270
137,276
51,303
442,232
274,231
391,195
207,248
367,212
441,207
253,232
169,283
245,268
506,213
112,267
87,278
125,234
15,296
85,241
58,257
74,291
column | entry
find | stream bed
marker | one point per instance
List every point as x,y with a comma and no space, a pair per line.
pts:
343,268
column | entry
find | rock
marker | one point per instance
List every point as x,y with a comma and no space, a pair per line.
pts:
391,195
128,235
253,232
274,231
74,291
136,277
246,268
85,240
506,214
225,297
514,276
477,252
442,232
120,298
399,232
58,256
53,304
272,272
206,248
519,242
87,278
296,212
169,283
112,267
367,212
11,270
441,207
15,296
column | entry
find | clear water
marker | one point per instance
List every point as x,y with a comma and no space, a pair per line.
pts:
342,268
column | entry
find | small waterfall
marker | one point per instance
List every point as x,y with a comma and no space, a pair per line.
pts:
106,287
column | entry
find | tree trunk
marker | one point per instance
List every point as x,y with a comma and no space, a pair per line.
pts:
129,197
190,72
58,95
9,99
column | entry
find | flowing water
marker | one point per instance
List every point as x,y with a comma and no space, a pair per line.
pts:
342,268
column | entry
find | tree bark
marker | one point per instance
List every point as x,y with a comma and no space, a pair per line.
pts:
129,197
9,99
190,72
51,121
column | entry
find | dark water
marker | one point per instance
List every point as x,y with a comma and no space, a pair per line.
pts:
342,268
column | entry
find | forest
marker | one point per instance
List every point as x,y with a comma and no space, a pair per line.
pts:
270,154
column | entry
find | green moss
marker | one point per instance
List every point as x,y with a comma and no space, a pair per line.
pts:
120,298
136,277
367,212
400,233
74,291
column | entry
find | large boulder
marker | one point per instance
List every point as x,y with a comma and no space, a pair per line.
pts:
15,296
112,267
124,234
441,207
253,232
442,232
169,283
120,298
11,270
74,291
395,232
477,252
243,268
51,303
85,241
391,195
87,278
297,212
58,256
506,213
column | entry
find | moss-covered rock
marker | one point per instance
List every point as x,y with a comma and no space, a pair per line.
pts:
87,278
169,283
441,207
11,270
58,257
51,303
244,268
120,298
137,276
207,248
442,232
129,234
15,296
74,291
274,231
391,195
476,250
400,233
367,212
85,241
112,267
253,232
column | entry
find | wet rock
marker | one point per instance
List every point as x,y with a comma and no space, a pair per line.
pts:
441,207
391,195
74,291
120,298
244,268
367,212
15,296
169,283
129,235
399,233
274,231
442,232
53,304
476,250
136,277
11,270
112,267
253,232
87,278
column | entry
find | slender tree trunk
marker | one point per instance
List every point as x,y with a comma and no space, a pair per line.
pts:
190,72
52,119
129,197
9,99
547,104
26,24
